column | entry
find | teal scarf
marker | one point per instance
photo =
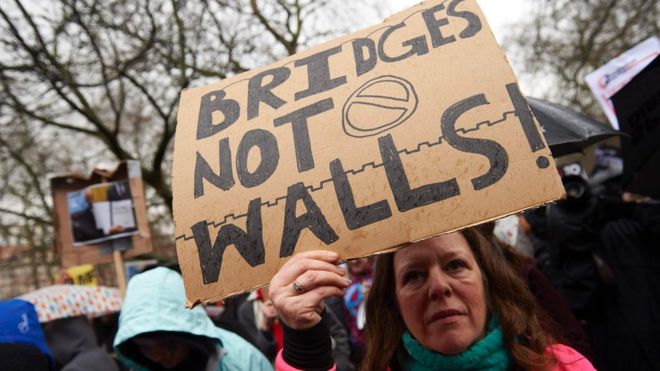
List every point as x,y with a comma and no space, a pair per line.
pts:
488,353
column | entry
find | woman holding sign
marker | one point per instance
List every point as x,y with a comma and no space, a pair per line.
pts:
449,302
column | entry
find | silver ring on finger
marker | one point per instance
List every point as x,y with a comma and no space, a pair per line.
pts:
298,287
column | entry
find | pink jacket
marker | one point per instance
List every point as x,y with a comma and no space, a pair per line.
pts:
568,359
281,365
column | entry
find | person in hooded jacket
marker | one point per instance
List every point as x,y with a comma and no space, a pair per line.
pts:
157,332
22,342
72,343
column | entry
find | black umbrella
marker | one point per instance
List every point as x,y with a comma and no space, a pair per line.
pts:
567,131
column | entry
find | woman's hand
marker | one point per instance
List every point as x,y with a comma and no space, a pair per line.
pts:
300,286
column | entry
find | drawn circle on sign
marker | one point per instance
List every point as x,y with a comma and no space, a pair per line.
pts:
379,105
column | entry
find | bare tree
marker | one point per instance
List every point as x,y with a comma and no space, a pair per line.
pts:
25,218
564,40
112,71
84,82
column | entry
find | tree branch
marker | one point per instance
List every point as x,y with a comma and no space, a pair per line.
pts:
26,216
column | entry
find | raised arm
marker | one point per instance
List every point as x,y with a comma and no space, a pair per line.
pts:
297,291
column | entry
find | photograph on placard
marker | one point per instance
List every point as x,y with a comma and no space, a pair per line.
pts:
101,212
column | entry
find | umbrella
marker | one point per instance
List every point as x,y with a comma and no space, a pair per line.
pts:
637,107
62,301
567,131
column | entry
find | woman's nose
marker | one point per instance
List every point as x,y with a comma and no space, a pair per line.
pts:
438,284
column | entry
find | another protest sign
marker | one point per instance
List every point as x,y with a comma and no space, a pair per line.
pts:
387,136
84,275
99,210
637,107
615,74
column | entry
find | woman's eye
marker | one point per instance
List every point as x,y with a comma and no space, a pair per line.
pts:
413,276
455,265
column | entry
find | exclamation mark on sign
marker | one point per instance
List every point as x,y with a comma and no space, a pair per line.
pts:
527,122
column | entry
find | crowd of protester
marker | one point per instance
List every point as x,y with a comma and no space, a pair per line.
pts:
577,288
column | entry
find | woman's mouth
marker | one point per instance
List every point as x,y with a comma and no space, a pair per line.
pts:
448,315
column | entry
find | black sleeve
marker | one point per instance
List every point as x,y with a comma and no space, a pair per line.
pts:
308,349
342,344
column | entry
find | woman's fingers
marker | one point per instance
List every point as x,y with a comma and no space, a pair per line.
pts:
311,260
304,310
326,255
312,279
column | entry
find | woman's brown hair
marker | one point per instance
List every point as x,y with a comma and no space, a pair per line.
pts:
509,299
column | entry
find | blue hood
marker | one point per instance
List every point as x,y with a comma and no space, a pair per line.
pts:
155,301
19,324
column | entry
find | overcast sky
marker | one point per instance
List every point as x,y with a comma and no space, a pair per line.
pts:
500,15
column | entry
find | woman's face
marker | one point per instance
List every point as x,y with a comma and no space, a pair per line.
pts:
440,292
168,354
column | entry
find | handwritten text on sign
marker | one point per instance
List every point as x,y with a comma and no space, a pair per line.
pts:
390,135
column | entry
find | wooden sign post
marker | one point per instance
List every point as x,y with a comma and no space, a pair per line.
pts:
119,270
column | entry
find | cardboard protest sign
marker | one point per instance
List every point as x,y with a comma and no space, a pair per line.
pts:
390,135
105,208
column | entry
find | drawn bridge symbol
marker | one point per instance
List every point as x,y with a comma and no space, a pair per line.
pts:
379,105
